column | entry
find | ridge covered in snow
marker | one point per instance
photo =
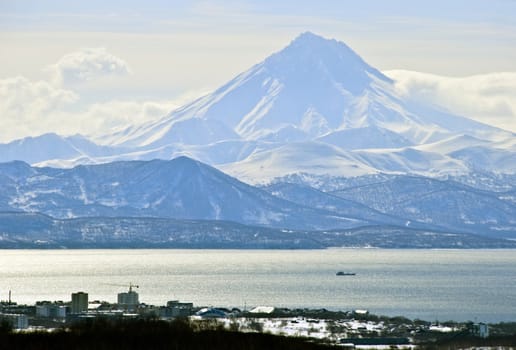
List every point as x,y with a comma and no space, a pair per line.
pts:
185,189
314,107
330,140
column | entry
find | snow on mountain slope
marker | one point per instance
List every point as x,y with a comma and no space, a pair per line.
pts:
317,102
50,147
452,144
181,188
305,195
323,159
186,189
308,85
311,88
508,144
482,157
446,203
214,153
35,149
364,138
303,157
410,160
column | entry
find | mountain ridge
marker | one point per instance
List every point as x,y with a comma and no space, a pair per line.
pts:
186,189
34,230
313,113
181,188
315,91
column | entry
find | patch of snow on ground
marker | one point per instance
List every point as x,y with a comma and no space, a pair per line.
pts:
442,329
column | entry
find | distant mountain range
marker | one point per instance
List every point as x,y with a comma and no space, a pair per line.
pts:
26,231
420,201
181,189
325,139
185,189
314,107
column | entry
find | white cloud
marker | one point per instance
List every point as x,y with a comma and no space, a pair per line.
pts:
488,98
86,65
101,118
26,105
31,108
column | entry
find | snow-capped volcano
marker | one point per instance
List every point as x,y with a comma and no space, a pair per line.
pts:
302,91
316,98
313,88
313,114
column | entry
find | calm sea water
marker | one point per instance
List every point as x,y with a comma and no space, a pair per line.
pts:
427,284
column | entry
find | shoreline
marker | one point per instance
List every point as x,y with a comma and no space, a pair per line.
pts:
317,326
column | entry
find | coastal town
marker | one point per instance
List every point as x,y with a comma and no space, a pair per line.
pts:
352,329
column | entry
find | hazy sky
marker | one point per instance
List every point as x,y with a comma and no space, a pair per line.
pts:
87,66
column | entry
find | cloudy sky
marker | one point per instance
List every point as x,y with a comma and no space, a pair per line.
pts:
90,66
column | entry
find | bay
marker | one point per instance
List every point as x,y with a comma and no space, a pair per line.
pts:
460,285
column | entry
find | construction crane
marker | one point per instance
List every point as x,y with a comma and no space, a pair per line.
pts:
131,285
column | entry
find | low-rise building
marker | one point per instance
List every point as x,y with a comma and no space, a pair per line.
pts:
17,321
480,330
51,310
175,309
